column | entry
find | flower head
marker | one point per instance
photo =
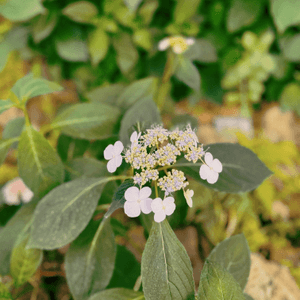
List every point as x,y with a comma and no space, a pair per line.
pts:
137,200
210,171
113,154
179,44
188,194
162,208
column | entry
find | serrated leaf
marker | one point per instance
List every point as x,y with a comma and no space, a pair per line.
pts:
87,120
233,254
184,10
218,284
118,198
118,294
38,163
4,292
166,268
4,147
13,128
243,13
21,10
98,44
5,105
144,111
64,212
90,260
187,72
81,11
290,46
28,87
242,171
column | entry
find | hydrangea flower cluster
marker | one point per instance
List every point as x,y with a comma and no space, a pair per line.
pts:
150,155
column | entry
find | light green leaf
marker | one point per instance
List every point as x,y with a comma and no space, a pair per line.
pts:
290,97
132,4
290,47
202,50
143,38
98,44
4,147
242,171
4,292
118,294
233,254
167,272
39,165
184,10
13,128
243,13
145,112
81,11
90,260
285,13
21,10
87,120
106,94
136,91
218,284
127,55
64,212
147,10
5,105
188,73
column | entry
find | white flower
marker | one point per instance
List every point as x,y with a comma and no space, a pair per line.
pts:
211,170
15,190
113,154
134,139
162,208
188,194
164,44
179,44
137,200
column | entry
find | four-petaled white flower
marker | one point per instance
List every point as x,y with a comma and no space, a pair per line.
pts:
211,170
15,190
137,200
134,138
113,154
188,194
162,208
178,43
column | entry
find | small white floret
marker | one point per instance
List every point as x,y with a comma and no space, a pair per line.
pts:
210,171
164,44
188,194
162,208
112,153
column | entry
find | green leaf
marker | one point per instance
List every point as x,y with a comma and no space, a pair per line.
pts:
127,55
38,164
81,11
64,212
290,46
132,4
136,91
242,171
184,10
87,120
285,13
243,13
166,268
188,73
24,262
106,94
13,128
143,38
290,98
147,10
10,233
233,254
98,44
5,105
90,260
4,147
21,10
248,297
118,198
218,284
202,50
43,27
28,87
118,294
4,292
144,111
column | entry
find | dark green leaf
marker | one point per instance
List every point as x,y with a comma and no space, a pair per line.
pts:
218,284
4,292
242,170
118,198
144,111
87,120
5,105
81,11
90,260
118,294
13,128
166,268
39,165
202,50
64,212
234,255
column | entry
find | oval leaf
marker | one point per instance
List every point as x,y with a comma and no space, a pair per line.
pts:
118,294
166,268
87,120
64,212
4,147
13,128
242,171
290,46
184,10
5,105
81,11
98,44
90,260
233,254
39,165
218,284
